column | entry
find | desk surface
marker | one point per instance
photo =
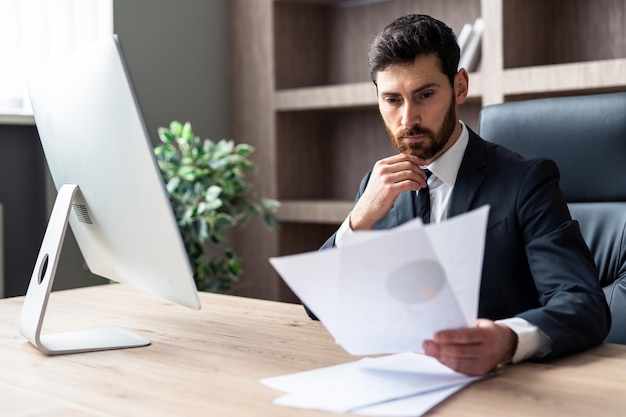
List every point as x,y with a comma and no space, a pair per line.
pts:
209,362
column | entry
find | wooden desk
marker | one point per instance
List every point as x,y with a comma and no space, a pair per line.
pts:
208,363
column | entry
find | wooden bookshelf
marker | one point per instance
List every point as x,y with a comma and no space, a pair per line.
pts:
301,95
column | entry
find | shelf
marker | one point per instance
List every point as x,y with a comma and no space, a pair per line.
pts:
353,95
302,94
314,211
538,33
595,75
325,97
320,44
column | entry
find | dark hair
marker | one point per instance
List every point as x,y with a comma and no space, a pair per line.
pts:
410,36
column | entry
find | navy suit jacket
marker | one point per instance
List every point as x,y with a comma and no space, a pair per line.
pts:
536,265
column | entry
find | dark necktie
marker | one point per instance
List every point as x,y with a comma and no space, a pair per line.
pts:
422,201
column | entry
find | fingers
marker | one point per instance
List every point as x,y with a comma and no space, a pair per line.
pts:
468,358
473,351
399,168
461,358
390,177
405,157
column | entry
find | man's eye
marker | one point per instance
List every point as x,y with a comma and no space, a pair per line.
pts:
427,95
392,100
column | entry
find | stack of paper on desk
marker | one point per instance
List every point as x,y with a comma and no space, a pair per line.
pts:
387,291
405,384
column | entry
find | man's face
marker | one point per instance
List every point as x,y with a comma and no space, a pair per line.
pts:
418,106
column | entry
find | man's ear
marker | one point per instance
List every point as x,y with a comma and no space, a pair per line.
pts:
461,86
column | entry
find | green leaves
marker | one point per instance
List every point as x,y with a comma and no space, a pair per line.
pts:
210,194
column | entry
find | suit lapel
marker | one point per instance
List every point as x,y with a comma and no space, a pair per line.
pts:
469,178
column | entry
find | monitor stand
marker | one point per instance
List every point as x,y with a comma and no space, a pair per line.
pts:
36,300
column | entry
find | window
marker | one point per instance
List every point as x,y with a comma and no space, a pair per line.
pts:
33,32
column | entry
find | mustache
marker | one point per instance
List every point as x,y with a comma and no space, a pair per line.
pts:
413,131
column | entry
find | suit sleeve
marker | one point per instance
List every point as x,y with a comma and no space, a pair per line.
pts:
573,311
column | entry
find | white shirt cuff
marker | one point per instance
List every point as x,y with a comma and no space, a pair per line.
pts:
343,230
531,341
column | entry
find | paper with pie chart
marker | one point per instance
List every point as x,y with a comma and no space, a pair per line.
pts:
387,291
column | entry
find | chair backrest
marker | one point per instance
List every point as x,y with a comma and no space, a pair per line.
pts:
586,137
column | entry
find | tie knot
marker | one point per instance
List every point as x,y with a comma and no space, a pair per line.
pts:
427,172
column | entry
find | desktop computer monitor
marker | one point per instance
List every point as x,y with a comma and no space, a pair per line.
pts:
109,190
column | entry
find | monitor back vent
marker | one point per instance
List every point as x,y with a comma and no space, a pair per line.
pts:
82,214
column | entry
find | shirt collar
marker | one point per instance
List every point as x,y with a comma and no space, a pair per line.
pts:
446,167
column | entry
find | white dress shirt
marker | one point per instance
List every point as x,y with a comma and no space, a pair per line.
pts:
531,341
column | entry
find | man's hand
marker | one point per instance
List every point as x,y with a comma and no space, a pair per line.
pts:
474,351
390,177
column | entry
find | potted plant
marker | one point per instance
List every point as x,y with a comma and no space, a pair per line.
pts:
209,193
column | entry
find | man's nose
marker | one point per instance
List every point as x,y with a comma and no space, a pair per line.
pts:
410,115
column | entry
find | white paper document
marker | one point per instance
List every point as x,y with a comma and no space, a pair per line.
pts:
387,291
405,384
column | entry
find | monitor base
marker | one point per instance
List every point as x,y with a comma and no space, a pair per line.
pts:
40,286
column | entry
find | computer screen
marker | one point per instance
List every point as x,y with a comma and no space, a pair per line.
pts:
110,191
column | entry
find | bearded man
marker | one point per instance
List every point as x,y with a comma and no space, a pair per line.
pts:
540,297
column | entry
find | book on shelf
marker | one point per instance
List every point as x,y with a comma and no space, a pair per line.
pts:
464,35
470,36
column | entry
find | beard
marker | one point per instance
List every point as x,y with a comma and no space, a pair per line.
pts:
435,141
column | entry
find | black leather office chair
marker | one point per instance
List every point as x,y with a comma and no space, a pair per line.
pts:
586,137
